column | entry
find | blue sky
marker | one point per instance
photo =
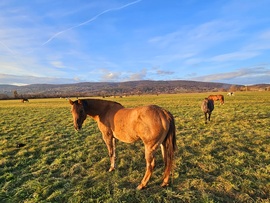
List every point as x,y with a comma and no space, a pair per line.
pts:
67,41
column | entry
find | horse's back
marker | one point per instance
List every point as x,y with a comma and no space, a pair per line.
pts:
217,97
213,97
145,115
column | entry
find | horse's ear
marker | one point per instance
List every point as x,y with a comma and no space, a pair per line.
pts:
71,102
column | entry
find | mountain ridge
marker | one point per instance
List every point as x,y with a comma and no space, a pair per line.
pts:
118,88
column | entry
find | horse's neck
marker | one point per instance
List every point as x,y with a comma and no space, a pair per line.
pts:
98,107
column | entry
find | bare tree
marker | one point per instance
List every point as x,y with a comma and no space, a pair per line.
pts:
15,93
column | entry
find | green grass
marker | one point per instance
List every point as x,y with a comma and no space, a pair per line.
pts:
226,160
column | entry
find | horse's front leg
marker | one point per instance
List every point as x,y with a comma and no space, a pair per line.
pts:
110,142
205,116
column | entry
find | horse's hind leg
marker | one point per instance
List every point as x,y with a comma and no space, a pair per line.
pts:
150,163
167,168
112,156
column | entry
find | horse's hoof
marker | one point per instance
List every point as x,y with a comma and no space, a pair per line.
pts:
111,169
140,187
164,184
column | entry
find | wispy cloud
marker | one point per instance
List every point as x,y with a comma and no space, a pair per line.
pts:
196,45
240,55
168,58
201,36
26,80
7,48
251,74
163,72
260,42
27,32
58,64
90,20
138,76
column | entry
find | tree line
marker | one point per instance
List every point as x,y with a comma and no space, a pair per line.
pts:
126,91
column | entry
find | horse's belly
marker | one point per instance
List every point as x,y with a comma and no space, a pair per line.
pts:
125,138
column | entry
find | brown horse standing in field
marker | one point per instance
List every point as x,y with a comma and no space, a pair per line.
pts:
207,107
219,97
151,124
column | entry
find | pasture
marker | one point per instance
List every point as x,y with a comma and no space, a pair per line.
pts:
226,160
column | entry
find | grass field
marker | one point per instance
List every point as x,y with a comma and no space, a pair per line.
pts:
226,160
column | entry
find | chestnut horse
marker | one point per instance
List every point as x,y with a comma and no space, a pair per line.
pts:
207,108
151,124
219,97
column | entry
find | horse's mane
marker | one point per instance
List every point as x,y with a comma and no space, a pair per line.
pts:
102,102
95,106
96,101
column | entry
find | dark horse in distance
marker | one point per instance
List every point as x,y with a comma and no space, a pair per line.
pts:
24,100
151,124
207,108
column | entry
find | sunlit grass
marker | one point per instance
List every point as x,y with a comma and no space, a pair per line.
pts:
225,160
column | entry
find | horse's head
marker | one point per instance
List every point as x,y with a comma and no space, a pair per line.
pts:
78,113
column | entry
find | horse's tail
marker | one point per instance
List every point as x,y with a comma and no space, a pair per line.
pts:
170,146
222,97
170,139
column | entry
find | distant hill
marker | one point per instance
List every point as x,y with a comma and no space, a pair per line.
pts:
115,88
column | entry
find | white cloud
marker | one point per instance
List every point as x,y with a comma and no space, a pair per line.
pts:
137,76
109,76
254,75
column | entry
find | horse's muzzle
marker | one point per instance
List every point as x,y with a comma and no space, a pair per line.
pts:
78,127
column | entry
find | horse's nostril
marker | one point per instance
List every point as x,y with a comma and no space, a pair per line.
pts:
78,127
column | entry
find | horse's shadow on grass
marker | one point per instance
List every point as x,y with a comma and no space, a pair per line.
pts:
129,170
